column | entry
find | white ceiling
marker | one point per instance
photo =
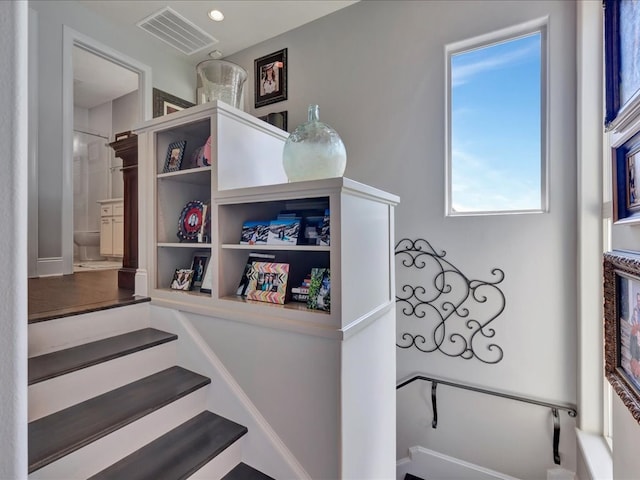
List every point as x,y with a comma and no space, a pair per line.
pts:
246,23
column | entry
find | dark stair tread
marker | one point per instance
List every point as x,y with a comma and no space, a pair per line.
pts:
50,365
408,476
244,472
63,432
179,453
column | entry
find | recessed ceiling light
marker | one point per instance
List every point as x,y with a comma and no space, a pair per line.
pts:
216,15
215,54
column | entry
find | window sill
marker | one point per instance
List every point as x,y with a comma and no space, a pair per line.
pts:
596,454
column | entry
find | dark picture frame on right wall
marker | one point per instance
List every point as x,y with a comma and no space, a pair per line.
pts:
621,272
622,70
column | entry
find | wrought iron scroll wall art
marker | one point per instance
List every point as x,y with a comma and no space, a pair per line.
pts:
449,313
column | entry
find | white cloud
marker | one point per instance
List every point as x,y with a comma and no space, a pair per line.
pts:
476,186
463,73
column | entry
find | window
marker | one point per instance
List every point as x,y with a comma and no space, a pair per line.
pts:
496,129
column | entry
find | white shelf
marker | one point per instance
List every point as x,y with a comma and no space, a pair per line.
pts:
261,247
198,176
203,246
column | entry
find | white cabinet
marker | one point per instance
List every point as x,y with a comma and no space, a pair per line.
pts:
112,227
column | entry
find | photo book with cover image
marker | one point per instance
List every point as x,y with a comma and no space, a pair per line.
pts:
320,290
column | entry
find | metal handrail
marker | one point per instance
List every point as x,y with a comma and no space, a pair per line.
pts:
555,407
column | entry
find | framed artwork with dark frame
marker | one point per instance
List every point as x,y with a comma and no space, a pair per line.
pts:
622,326
626,181
175,153
270,74
622,69
277,119
165,103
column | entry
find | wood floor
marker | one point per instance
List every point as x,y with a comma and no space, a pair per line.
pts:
54,297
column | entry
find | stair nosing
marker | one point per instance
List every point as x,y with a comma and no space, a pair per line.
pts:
198,381
129,461
160,340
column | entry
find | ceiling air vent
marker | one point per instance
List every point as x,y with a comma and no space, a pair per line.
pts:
172,28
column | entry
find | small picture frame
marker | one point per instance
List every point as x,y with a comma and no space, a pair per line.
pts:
182,279
270,78
268,282
626,181
207,282
320,290
277,119
175,153
165,103
622,326
199,266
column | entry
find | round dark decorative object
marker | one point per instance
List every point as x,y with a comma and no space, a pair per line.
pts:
191,220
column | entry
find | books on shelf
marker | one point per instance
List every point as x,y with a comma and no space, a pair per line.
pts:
268,282
325,231
291,227
245,278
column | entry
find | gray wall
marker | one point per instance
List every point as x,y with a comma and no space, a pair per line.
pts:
376,69
171,73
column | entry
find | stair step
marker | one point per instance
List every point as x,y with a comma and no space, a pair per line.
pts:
51,365
68,430
245,472
180,452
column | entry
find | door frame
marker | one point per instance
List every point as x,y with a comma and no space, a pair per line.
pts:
71,38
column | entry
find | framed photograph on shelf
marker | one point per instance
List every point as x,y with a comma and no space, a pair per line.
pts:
622,70
268,282
182,279
165,103
245,279
277,119
207,283
175,153
626,181
270,78
622,326
199,265
320,290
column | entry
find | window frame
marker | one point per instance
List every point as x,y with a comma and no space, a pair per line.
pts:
501,36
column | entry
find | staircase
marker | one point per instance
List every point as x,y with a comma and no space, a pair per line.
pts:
113,404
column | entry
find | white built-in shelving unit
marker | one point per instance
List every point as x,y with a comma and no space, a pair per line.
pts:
351,348
247,182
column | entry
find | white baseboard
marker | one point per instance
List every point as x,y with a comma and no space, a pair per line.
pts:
430,464
49,267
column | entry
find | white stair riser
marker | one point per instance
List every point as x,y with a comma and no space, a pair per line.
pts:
66,332
61,392
104,452
221,464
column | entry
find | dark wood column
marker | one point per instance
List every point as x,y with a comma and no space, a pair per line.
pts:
127,150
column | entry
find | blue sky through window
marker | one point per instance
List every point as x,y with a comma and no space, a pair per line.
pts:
496,127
